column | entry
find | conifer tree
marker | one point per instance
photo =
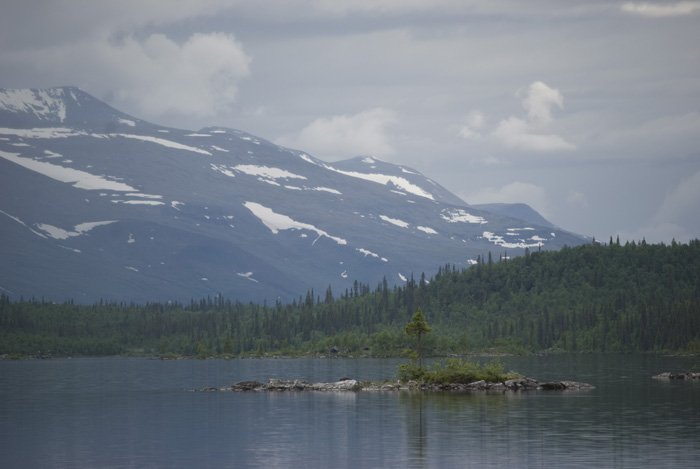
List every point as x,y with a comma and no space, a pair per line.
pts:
417,327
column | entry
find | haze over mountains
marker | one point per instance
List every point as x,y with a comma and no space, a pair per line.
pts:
96,204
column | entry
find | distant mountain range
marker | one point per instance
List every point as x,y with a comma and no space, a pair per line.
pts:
96,204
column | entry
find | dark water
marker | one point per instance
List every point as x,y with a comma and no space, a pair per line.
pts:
121,412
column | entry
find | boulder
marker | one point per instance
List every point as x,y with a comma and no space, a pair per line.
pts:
247,386
564,385
523,384
476,385
344,385
287,385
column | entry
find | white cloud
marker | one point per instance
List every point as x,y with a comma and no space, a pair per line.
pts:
344,136
539,102
198,77
515,192
472,126
153,76
528,133
518,133
660,10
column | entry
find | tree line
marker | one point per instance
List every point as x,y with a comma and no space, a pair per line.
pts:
635,297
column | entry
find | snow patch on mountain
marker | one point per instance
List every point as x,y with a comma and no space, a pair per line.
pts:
59,233
499,241
250,139
458,215
306,158
277,222
372,254
22,223
44,104
223,169
138,202
164,142
44,132
427,230
266,172
144,196
384,179
80,179
327,189
248,276
394,221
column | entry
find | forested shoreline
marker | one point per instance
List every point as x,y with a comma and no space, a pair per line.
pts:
636,297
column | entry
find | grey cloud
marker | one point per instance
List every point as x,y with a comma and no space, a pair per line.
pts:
660,10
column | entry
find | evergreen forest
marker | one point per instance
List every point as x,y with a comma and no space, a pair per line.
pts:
597,297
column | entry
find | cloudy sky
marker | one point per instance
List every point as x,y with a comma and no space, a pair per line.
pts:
589,111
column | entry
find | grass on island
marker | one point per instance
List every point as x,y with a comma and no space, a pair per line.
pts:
456,371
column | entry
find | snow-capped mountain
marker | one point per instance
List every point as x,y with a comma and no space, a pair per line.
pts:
98,204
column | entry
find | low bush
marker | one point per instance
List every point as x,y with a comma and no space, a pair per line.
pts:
455,370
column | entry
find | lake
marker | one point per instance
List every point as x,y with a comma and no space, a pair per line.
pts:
137,412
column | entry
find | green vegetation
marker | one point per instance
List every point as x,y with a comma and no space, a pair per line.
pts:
623,298
417,327
456,371
450,370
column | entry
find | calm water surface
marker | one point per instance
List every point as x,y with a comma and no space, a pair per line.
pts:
129,412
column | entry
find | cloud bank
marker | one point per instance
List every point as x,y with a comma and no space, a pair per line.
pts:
153,76
345,136
197,77
528,133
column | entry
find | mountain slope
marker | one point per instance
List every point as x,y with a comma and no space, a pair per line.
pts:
98,204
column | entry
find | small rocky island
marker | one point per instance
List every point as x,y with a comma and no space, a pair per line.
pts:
347,384
687,375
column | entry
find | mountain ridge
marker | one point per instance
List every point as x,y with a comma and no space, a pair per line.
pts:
99,204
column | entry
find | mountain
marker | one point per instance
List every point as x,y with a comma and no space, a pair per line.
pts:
521,211
96,204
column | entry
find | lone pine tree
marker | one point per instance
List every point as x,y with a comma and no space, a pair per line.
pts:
417,327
